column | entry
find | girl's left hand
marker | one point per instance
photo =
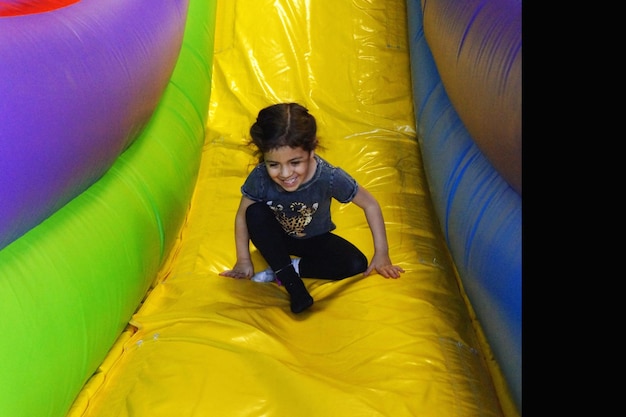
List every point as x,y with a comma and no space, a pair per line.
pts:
382,264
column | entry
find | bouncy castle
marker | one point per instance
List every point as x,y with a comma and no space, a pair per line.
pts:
124,128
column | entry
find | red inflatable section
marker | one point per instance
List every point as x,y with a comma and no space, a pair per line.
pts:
21,7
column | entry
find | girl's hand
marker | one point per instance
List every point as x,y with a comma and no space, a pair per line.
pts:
241,270
382,264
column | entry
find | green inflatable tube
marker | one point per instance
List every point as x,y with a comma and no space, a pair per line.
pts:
69,286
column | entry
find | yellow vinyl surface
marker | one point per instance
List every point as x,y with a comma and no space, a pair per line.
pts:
206,345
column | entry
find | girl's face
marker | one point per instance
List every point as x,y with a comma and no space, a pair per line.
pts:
290,167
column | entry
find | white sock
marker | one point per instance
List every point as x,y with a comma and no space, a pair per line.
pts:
267,275
296,264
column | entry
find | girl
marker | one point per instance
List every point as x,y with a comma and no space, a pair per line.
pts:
285,210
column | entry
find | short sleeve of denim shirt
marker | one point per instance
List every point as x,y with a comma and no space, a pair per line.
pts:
343,185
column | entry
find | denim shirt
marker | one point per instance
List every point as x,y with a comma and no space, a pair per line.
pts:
305,212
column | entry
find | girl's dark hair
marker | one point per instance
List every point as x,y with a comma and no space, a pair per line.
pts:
284,124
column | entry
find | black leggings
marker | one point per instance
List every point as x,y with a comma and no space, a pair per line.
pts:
326,256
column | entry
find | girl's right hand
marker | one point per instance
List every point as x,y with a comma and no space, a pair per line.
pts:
241,270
